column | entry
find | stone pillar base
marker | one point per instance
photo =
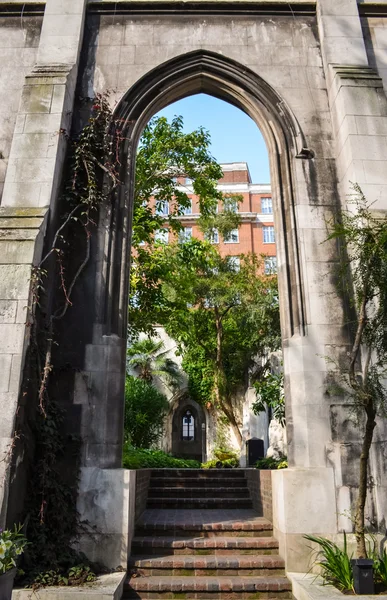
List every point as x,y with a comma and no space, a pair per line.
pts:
106,503
304,502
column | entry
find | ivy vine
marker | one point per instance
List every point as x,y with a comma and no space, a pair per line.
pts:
52,521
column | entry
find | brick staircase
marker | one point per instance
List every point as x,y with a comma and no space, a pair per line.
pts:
200,539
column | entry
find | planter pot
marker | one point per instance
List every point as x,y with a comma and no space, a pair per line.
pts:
6,584
363,576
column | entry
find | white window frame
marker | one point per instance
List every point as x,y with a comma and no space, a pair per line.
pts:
268,232
231,205
185,235
267,210
270,263
212,237
160,209
162,236
232,237
188,210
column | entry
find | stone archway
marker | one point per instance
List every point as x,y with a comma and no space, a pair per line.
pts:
188,435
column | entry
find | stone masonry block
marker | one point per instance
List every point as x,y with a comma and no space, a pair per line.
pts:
341,27
5,371
12,252
12,338
31,170
36,99
8,310
14,282
15,375
30,145
42,123
22,194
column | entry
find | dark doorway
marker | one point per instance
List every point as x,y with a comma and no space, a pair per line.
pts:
188,430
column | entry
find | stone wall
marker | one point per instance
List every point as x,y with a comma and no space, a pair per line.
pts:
19,41
308,80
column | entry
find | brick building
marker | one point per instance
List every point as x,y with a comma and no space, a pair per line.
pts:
256,231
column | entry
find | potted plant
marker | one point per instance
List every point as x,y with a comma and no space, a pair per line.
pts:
12,544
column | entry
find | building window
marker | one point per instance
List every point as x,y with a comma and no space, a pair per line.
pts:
270,265
188,426
266,206
187,210
230,204
185,235
162,208
268,235
188,181
212,237
161,236
234,262
232,237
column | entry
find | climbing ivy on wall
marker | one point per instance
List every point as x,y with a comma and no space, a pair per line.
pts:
52,522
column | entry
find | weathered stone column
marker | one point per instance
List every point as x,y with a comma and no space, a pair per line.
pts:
358,106
31,187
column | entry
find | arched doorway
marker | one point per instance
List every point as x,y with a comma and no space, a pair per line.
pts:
203,71
188,430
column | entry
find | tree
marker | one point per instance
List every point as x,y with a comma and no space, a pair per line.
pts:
270,394
150,360
145,409
222,316
165,153
363,274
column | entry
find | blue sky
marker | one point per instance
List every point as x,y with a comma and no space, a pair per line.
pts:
235,137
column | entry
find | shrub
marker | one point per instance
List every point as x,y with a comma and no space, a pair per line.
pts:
228,463
335,565
12,545
145,409
135,458
271,463
224,458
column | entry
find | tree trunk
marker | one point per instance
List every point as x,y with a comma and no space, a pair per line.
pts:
361,550
226,406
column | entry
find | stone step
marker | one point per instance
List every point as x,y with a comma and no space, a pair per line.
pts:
191,565
197,503
204,546
188,482
207,587
198,492
199,473
188,524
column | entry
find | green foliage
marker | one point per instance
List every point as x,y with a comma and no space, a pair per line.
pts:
335,562
380,568
224,459
228,463
52,517
165,153
76,575
135,458
222,318
271,463
270,394
12,545
149,359
362,237
362,234
145,409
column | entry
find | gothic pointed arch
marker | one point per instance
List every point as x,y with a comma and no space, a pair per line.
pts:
207,72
